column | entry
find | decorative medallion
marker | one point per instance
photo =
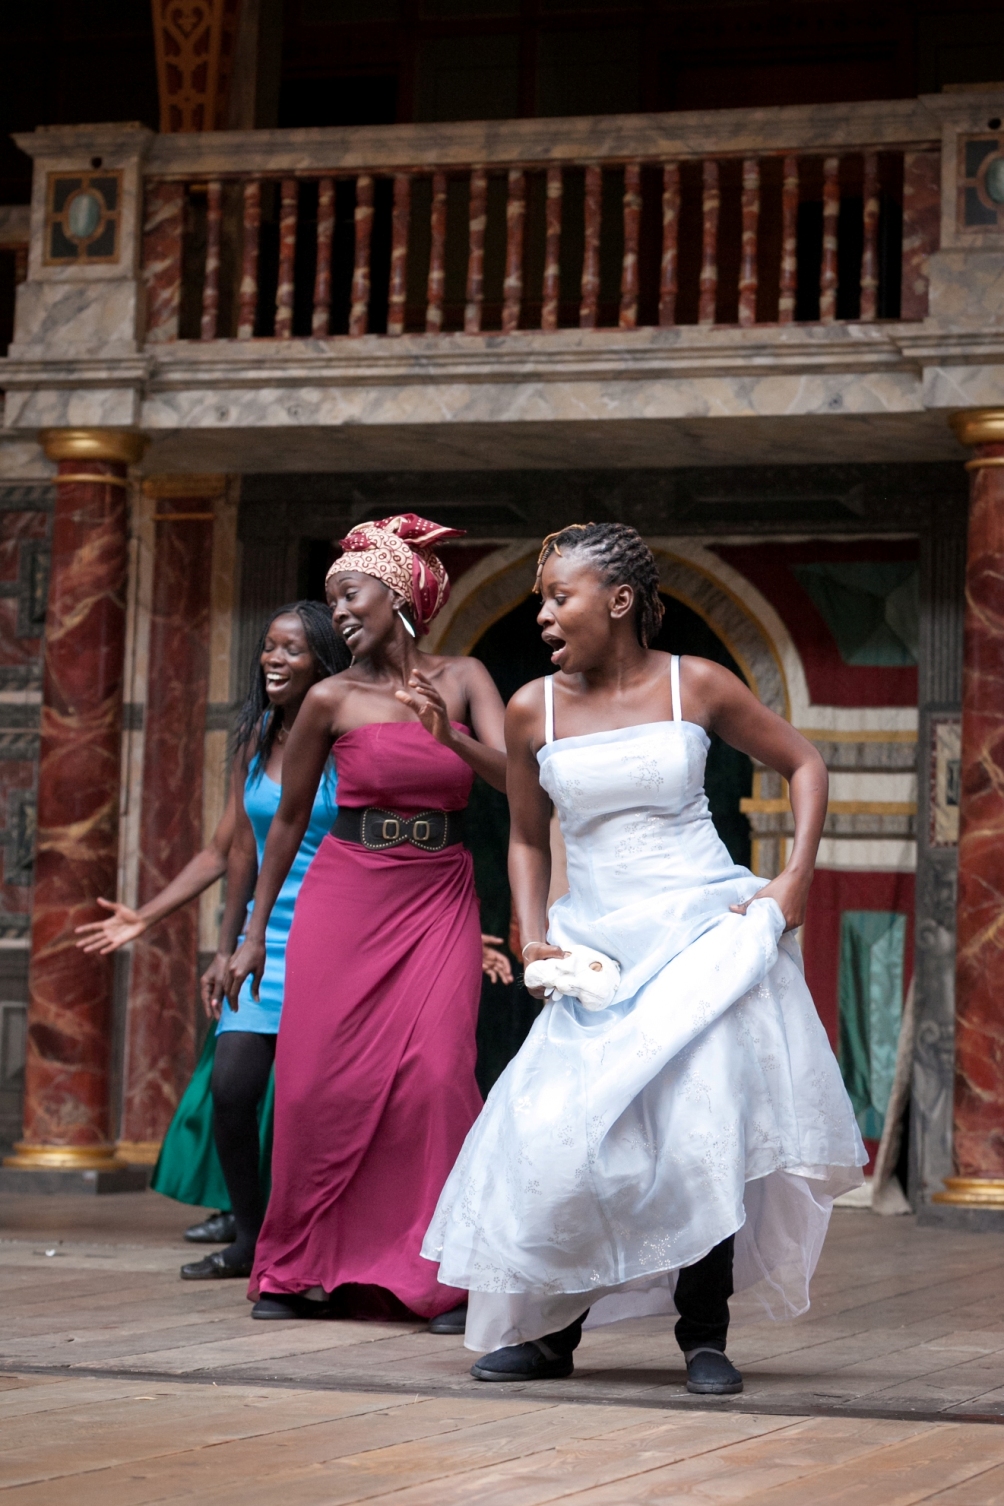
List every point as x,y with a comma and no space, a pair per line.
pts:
981,182
82,218
945,774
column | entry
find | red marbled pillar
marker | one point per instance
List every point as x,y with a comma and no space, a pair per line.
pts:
66,1109
160,1021
979,1021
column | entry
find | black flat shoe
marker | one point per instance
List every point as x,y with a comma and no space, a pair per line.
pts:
455,1321
522,1362
282,1304
709,1373
213,1267
217,1229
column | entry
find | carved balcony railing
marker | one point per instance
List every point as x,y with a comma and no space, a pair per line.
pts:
724,218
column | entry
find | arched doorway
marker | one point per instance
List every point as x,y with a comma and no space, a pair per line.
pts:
513,653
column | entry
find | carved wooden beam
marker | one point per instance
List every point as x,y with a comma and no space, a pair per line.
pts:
195,41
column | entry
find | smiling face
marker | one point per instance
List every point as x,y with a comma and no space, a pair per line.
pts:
287,662
579,613
362,610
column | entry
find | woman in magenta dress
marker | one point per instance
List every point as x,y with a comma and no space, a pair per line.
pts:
374,1069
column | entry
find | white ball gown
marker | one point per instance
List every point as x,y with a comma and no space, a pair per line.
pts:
622,1144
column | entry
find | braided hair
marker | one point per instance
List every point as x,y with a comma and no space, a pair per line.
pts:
330,657
620,557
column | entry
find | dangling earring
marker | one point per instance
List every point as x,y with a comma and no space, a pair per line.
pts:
407,625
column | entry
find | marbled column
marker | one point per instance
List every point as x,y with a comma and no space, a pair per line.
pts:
66,1112
160,1020
978,1121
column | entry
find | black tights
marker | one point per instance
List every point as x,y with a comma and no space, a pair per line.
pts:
241,1070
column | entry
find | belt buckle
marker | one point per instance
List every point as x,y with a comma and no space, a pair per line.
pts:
392,830
421,831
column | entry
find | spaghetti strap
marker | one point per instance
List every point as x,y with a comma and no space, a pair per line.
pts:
674,677
548,709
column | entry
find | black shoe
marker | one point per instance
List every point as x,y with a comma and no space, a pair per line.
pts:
455,1321
217,1229
214,1267
709,1373
522,1362
289,1305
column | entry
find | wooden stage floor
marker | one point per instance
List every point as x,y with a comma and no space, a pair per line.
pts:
121,1386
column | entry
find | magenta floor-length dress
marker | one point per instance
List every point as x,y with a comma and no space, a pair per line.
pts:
374,1067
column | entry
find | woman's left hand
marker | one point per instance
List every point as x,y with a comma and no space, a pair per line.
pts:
495,964
790,892
429,706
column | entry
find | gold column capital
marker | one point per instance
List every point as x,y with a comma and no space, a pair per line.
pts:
979,426
122,446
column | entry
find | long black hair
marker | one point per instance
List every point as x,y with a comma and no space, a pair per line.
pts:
330,655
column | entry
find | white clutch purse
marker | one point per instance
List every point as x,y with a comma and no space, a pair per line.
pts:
583,974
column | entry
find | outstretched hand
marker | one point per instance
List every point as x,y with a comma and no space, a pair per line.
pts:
429,706
790,892
104,936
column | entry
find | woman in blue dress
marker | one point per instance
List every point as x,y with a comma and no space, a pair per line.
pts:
297,648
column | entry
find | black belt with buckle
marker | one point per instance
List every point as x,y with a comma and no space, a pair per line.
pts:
377,829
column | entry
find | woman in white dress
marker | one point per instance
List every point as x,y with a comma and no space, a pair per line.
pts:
638,1158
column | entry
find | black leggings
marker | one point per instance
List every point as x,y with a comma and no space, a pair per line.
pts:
241,1070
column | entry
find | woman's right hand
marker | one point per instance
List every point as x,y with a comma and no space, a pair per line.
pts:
247,962
538,951
213,985
105,936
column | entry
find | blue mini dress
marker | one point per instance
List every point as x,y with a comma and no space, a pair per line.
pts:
261,801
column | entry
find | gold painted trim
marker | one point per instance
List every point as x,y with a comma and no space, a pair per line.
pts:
138,1152
94,478
987,463
63,1158
972,1192
870,735
206,488
125,446
779,806
979,426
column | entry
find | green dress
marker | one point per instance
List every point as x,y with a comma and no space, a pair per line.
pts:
188,1168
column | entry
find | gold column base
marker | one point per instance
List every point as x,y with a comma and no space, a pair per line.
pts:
972,1192
138,1152
63,1158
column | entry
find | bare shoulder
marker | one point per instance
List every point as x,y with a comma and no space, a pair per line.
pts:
328,694
525,710
460,667
705,678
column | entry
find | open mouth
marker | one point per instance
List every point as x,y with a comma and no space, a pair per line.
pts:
556,645
275,682
350,632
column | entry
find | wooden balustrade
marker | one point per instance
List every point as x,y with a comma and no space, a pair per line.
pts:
770,237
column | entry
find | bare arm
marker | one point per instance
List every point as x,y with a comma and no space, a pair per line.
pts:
123,925
242,870
303,762
529,825
745,723
485,752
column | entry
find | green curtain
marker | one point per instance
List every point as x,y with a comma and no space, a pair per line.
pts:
872,608
870,991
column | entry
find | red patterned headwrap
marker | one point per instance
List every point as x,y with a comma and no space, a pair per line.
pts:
398,551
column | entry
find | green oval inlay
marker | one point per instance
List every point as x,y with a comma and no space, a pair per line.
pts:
995,180
84,214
